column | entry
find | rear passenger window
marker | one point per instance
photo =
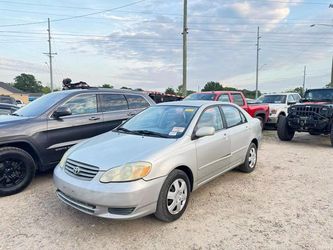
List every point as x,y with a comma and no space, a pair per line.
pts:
113,102
233,116
224,98
238,99
136,102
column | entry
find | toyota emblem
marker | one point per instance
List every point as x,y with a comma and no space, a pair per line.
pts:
77,170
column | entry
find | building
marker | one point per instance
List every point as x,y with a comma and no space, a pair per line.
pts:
6,89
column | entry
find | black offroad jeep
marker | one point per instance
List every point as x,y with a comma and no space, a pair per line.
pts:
314,115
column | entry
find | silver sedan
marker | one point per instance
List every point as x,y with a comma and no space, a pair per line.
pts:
151,163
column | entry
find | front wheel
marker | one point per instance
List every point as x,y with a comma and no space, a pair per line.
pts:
285,133
17,169
173,198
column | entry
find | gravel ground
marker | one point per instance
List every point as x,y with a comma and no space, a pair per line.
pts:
285,204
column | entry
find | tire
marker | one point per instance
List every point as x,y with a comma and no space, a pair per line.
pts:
332,136
278,120
162,211
285,133
17,169
250,159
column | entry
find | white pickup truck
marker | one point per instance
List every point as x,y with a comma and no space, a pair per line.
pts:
278,104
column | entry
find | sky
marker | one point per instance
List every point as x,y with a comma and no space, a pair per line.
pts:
138,44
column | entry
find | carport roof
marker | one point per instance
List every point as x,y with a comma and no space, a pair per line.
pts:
9,88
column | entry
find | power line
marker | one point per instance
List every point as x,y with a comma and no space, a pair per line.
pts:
74,17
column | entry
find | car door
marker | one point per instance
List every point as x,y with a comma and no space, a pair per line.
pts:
86,121
238,131
115,110
213,152
238,99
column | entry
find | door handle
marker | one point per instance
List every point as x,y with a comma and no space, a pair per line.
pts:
93,118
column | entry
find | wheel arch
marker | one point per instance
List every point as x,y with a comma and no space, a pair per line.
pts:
26,146
188,172
255,141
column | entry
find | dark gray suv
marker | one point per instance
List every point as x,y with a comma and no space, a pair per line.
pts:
36,136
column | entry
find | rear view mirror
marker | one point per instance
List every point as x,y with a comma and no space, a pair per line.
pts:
205,131
62,111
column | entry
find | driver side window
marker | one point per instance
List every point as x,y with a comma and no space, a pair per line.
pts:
211,117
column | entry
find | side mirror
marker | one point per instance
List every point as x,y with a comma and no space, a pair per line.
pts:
205,131
292,103
62,111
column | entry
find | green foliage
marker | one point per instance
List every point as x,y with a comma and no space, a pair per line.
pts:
125,88
330,85
298,90
250,93
170,91
139,89
107,86
212,86
28,83
46,90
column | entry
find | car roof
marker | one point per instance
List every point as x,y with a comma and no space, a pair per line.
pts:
92,89
219,92
190,103
282,94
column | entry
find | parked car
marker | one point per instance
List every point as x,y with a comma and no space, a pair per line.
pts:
7,99
7,109
152,162
19,103
260,111
159,97
278,105
313,115
36,136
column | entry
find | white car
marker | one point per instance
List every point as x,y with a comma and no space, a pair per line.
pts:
151,163
278,105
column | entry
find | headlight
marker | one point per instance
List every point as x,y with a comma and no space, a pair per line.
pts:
127,172
273,111
63,160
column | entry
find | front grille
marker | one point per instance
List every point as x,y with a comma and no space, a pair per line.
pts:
85,207
81,170
306,110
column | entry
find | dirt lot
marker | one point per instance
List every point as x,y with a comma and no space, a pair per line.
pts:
285,204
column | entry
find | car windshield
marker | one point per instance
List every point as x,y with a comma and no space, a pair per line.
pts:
319,95
201,96
165,121
41,105
272,99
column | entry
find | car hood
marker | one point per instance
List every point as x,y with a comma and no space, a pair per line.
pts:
11,120
114,149
276,105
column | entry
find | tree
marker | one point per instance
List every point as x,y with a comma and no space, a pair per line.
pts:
298,90
46,90
139,89
107,86
28,83
170,91
212,86
125,88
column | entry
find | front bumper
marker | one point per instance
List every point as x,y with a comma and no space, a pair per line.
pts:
128,200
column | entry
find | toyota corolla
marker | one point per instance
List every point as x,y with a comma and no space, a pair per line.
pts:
151,163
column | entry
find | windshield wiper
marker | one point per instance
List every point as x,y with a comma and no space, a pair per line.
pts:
148,132
14,114
125,130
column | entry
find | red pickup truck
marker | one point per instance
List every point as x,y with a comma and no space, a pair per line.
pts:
260,111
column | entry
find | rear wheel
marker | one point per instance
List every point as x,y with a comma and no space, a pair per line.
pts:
17,169
173,198
284,132
250,159
332,135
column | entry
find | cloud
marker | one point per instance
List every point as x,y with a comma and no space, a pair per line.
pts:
21,66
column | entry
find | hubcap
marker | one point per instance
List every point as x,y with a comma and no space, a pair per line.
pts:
12,172
252,157
177,196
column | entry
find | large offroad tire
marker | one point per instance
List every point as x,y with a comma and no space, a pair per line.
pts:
17,169
332,135
279,118
250,159
172,202
284,132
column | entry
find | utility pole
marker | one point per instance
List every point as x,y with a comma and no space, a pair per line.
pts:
50,54
304,76
185,31
257,68
332,71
